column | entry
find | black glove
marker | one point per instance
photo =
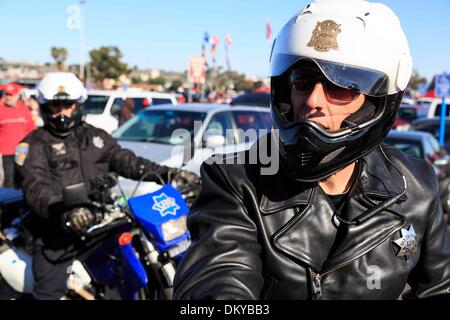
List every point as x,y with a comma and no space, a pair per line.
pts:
78,219
188,183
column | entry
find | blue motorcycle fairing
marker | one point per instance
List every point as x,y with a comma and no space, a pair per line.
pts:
104,261
133,273
163,246
154,209
116,265
9,196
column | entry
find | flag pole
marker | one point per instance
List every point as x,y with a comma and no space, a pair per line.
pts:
81,45
227,45
227,59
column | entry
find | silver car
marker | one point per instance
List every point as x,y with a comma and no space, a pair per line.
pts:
424,146
185,135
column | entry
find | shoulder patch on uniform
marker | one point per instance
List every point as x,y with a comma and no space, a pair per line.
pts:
21,153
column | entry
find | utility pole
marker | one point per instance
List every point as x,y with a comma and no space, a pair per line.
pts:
81,44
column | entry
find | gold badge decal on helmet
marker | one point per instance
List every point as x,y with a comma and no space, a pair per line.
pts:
61,89
324,36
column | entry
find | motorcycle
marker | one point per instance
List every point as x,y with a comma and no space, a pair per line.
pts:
133,250
15,244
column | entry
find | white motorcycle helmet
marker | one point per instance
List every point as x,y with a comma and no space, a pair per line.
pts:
353,44
54,90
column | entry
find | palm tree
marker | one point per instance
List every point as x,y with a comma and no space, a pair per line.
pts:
60,56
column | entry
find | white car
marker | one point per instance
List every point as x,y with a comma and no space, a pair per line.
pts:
102,107
426,101
435,105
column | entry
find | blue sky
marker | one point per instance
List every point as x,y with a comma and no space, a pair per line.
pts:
164,34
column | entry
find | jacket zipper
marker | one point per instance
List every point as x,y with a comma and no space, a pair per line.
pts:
81,165
80,154
317,277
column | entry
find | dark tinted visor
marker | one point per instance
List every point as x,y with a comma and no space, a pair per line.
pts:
54,106
367,81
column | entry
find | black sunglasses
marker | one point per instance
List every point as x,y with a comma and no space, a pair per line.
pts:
56,105
304,81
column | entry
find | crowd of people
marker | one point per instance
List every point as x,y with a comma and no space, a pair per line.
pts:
16,121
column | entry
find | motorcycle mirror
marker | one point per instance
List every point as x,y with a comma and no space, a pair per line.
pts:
75,195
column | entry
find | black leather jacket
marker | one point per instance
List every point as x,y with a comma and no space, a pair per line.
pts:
270,237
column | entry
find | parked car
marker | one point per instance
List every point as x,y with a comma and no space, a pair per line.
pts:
407,100
432,125
260,99
408,113
435,106
28,93
425,101
423,145
102,107
208,129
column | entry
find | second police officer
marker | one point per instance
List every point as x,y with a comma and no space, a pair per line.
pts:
67,151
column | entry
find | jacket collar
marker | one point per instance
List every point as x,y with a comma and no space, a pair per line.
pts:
271,204
377,178
311,238
374,179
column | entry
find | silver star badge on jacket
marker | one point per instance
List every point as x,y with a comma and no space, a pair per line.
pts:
98,142
407,243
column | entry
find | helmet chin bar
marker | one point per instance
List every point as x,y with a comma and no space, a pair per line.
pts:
365,116
62,125
311,154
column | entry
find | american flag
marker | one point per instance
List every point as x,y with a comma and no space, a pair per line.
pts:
215,41
206,37
268,30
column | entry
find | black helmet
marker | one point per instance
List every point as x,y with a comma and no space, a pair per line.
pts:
360,47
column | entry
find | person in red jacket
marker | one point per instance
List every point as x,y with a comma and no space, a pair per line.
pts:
15,123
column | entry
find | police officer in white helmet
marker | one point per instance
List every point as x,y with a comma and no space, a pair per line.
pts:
67,151
345,217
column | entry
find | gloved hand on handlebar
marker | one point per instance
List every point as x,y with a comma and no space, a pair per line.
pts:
78,219
188,183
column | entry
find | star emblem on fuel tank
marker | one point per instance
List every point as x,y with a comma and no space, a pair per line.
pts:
165,205
407,244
